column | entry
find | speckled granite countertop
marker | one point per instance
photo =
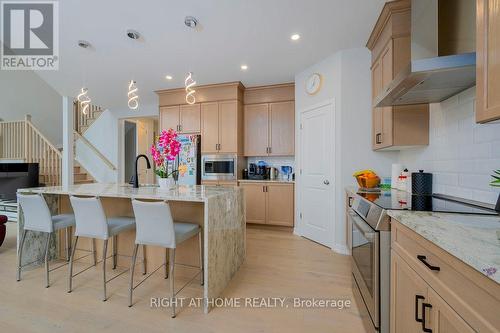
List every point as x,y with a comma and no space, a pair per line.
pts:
474,239
196,193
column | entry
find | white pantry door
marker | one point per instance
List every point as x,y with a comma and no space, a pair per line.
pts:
316,196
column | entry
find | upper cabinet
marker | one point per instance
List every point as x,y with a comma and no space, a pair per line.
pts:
183,118
221,127
217,116
270,121
488,60
394,127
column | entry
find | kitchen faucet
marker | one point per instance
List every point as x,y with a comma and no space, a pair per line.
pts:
136,177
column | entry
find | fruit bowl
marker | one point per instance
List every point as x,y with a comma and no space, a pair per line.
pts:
367,179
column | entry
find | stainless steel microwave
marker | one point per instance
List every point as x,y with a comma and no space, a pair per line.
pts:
218,167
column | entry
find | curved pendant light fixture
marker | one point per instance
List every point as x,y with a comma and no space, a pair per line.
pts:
84,100
133,98
190,83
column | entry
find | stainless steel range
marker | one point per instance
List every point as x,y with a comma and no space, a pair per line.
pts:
371,241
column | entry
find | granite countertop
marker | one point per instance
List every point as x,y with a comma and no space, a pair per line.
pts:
266,181
474,239
196,193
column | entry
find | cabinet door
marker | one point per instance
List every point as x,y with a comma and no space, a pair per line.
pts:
256,129
282,128
190,118
280,203
387,137
442,318
228,183
386,61
255,199
169,117
228,127
408,291
376,112
209,127
488,60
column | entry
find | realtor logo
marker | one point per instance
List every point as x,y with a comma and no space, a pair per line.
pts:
29,35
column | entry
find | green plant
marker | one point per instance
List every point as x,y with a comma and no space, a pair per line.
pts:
496,178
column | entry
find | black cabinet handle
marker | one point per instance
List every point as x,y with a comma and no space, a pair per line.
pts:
417,298
423,259
378,138
424,306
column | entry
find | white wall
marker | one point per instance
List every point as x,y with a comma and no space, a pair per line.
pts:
461,154
347,80
106,135
24,92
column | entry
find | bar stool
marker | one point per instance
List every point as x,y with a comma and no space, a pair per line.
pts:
37,217
155,226
91,222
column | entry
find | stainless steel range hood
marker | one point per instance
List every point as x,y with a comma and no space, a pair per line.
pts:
443,58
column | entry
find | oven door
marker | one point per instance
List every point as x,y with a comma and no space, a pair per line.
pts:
218,167
365,263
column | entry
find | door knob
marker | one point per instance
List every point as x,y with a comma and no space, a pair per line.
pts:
326,182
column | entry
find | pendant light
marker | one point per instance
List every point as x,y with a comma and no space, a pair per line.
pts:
189,82
133,98
83,97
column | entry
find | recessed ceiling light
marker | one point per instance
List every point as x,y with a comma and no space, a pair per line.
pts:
83,44
168,77
244,67
132,34
295,37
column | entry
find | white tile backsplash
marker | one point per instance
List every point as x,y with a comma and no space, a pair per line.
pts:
462,154
275,161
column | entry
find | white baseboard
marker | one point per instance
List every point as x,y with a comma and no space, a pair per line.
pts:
340,249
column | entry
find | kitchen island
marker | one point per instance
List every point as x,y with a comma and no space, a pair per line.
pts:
219,210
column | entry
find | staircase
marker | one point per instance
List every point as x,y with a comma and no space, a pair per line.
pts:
81,176
84,121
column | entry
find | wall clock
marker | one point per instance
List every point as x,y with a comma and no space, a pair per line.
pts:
313,83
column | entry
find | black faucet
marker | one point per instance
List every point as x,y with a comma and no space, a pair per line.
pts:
135,178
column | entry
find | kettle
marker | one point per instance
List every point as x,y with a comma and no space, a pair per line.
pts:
272,173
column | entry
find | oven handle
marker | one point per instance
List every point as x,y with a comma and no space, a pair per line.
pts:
365,229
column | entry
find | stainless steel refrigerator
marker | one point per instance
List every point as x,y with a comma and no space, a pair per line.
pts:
189,160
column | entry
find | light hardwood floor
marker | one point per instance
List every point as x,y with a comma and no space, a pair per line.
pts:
278,264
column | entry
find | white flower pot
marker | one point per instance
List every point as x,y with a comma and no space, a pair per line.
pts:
166,183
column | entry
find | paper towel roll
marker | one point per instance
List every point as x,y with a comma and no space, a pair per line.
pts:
395,172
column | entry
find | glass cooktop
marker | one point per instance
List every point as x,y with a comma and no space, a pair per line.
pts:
399,200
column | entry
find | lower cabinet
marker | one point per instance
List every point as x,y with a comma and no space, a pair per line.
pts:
432,291
417,307
269,203
229,183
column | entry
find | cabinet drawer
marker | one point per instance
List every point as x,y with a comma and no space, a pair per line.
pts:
473,296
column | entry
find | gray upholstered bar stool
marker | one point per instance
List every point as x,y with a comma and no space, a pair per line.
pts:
155,226
37,217
91,222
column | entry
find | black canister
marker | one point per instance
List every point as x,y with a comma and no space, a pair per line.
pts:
421,183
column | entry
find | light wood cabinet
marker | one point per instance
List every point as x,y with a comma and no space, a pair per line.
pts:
182,118
269,203
224,183
255,202
394,127
220,128
488,59
270,129
424,278
408,291
169,117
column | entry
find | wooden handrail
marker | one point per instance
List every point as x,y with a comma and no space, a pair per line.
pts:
95,150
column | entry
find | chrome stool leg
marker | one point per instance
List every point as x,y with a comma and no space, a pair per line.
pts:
166,263
94,252
104,252
172,286
131,281
71,259
200,243
19,254
47,259
144,260
115,257
67,240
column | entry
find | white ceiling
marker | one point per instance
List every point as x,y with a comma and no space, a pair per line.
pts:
232,32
